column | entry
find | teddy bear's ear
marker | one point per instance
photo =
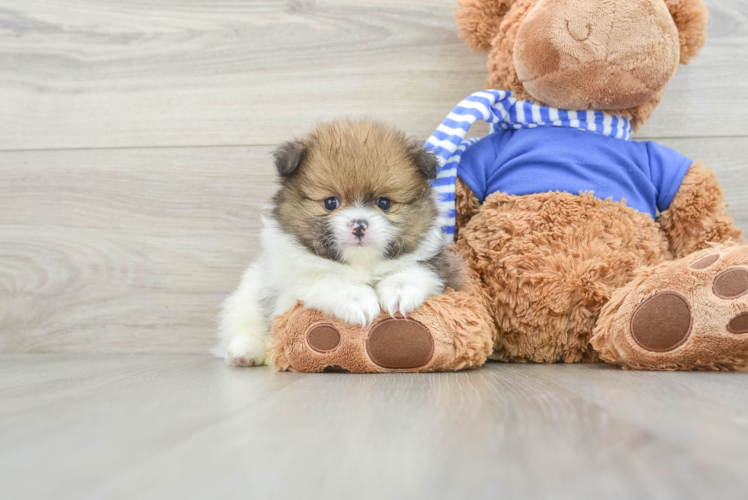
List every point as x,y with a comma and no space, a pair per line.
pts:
690,18
288,156
478,21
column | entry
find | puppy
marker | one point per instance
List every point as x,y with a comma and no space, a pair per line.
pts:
353,229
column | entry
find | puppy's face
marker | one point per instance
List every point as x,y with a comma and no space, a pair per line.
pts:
355,190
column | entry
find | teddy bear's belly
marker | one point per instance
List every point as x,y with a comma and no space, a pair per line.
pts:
549,262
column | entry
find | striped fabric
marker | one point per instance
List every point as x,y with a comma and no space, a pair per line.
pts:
503,112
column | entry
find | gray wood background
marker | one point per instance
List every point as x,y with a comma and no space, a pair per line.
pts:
135,137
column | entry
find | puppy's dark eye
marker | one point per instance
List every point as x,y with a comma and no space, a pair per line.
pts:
331,203
384,204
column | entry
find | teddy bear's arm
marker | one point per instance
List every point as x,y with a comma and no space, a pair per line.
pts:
466,205
479,20
697,216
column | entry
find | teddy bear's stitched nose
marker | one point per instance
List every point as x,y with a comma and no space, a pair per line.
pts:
588,54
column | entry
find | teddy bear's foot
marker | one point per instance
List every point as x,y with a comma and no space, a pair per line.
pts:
690,314
448,332
391,344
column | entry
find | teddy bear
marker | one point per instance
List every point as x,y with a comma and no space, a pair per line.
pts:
591,246
582,245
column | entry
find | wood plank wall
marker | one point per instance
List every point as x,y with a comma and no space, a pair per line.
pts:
135,138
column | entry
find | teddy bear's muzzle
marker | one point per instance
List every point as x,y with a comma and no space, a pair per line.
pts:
587,54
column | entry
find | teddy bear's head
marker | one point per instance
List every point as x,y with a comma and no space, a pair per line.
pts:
585,54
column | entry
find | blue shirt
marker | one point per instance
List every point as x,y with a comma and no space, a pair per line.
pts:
527,161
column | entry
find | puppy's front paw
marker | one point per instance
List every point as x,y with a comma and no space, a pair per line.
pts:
245,350
358,306
397,294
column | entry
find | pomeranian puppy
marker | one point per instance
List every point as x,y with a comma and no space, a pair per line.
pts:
354,229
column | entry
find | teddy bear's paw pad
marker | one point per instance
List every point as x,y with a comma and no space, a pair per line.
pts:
400,344
323,337
335,369
738,324
731,283
662,322
705,262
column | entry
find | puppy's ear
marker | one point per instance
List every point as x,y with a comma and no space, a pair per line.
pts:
427,162
288,157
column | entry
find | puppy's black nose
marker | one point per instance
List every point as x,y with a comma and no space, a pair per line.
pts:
358,228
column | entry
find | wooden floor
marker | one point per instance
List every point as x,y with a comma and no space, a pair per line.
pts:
134,157
184,426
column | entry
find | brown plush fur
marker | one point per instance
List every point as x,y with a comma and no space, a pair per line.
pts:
549,262
577,54
709,346
556,266
480,21
466,205
459,323
690,17
594,78
697,215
